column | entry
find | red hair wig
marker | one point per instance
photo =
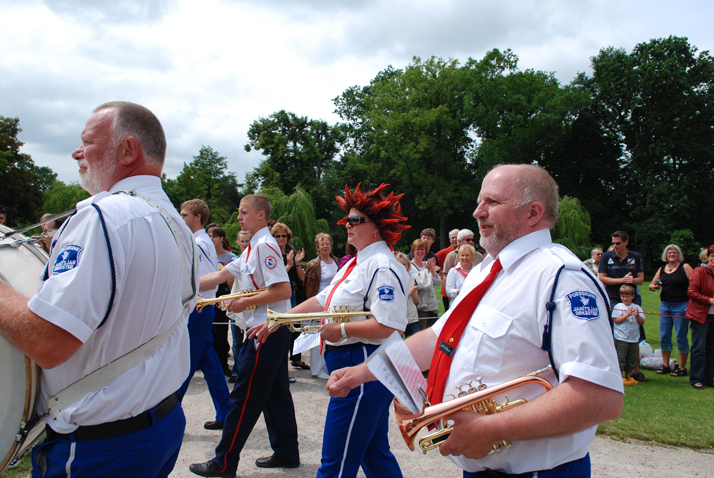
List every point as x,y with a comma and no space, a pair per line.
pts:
385,212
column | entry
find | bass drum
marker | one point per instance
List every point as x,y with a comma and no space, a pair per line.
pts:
21,266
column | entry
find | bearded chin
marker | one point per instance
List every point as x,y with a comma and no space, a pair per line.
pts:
98,178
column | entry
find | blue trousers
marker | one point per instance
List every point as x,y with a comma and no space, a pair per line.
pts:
261,387
238,335
148,453
356,427
574,469
701,362
681,326
204,356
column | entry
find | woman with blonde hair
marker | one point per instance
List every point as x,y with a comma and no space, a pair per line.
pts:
412,298
457,274
673,279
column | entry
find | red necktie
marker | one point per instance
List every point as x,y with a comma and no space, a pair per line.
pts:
350,266
451,334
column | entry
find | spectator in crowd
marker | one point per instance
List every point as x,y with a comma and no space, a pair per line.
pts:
700,311
622,266
220,322
628,318
3,215
465,236
457,274
673,279
426,276
412,298
594,262
319,272
291,259
428,235
441,257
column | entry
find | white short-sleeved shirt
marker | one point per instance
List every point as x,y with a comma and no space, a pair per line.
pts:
378,283
629,330
503,338
260,266
149,277
207,260
455,281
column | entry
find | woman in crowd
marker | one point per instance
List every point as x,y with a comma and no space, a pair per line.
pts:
457,274
426,278
291,258
412,298
319,272
700,311
356,427
673,279
220,326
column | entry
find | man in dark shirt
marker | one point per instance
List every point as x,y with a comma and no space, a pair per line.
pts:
622,266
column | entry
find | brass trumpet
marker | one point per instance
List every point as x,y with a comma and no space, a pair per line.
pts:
478,399
338,315
201,303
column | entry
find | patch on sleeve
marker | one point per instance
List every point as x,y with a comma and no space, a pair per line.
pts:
271,262
67,259
583,305
386,293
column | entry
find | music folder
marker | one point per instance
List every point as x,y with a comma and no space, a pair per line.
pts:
393,365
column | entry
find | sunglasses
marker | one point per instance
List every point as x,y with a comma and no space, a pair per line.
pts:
280,236
469,240
616,243
356,220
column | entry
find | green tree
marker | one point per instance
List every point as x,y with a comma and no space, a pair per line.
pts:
206,177
573,227
61,197
657,102
298,151
22,181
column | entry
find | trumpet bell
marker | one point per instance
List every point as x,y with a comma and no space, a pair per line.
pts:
477,399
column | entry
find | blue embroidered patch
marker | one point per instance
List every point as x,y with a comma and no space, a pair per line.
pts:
67,259
583,305
386,293
271,262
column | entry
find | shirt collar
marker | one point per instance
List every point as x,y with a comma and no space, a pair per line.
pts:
520,247
138,184
374,248
259,236
201,232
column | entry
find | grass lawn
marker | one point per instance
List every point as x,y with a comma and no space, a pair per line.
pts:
666,410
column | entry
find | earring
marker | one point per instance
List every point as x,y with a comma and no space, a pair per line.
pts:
375,233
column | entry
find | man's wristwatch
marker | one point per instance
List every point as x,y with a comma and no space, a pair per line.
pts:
342,329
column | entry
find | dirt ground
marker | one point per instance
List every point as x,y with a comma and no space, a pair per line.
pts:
610,458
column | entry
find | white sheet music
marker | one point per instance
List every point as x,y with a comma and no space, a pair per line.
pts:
396,369
306,342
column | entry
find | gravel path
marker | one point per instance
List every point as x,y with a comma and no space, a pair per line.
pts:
610,458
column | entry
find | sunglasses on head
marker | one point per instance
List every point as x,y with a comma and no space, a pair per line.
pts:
356,220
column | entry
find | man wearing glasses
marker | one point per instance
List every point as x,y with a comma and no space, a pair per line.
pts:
622,266
465,236
594,262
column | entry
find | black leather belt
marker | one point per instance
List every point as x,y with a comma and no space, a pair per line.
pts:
119,427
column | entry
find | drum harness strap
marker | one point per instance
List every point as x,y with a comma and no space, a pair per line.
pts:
103,376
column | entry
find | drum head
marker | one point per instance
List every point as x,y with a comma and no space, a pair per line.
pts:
21,268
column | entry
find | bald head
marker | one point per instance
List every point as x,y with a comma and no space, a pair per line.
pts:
515,200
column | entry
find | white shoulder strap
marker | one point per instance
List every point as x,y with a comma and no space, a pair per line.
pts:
105,375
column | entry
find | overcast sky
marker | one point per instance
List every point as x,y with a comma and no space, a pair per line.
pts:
209,68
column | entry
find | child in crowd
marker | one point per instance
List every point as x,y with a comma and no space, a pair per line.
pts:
628,317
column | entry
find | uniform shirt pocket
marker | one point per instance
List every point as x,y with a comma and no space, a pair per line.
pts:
482,348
